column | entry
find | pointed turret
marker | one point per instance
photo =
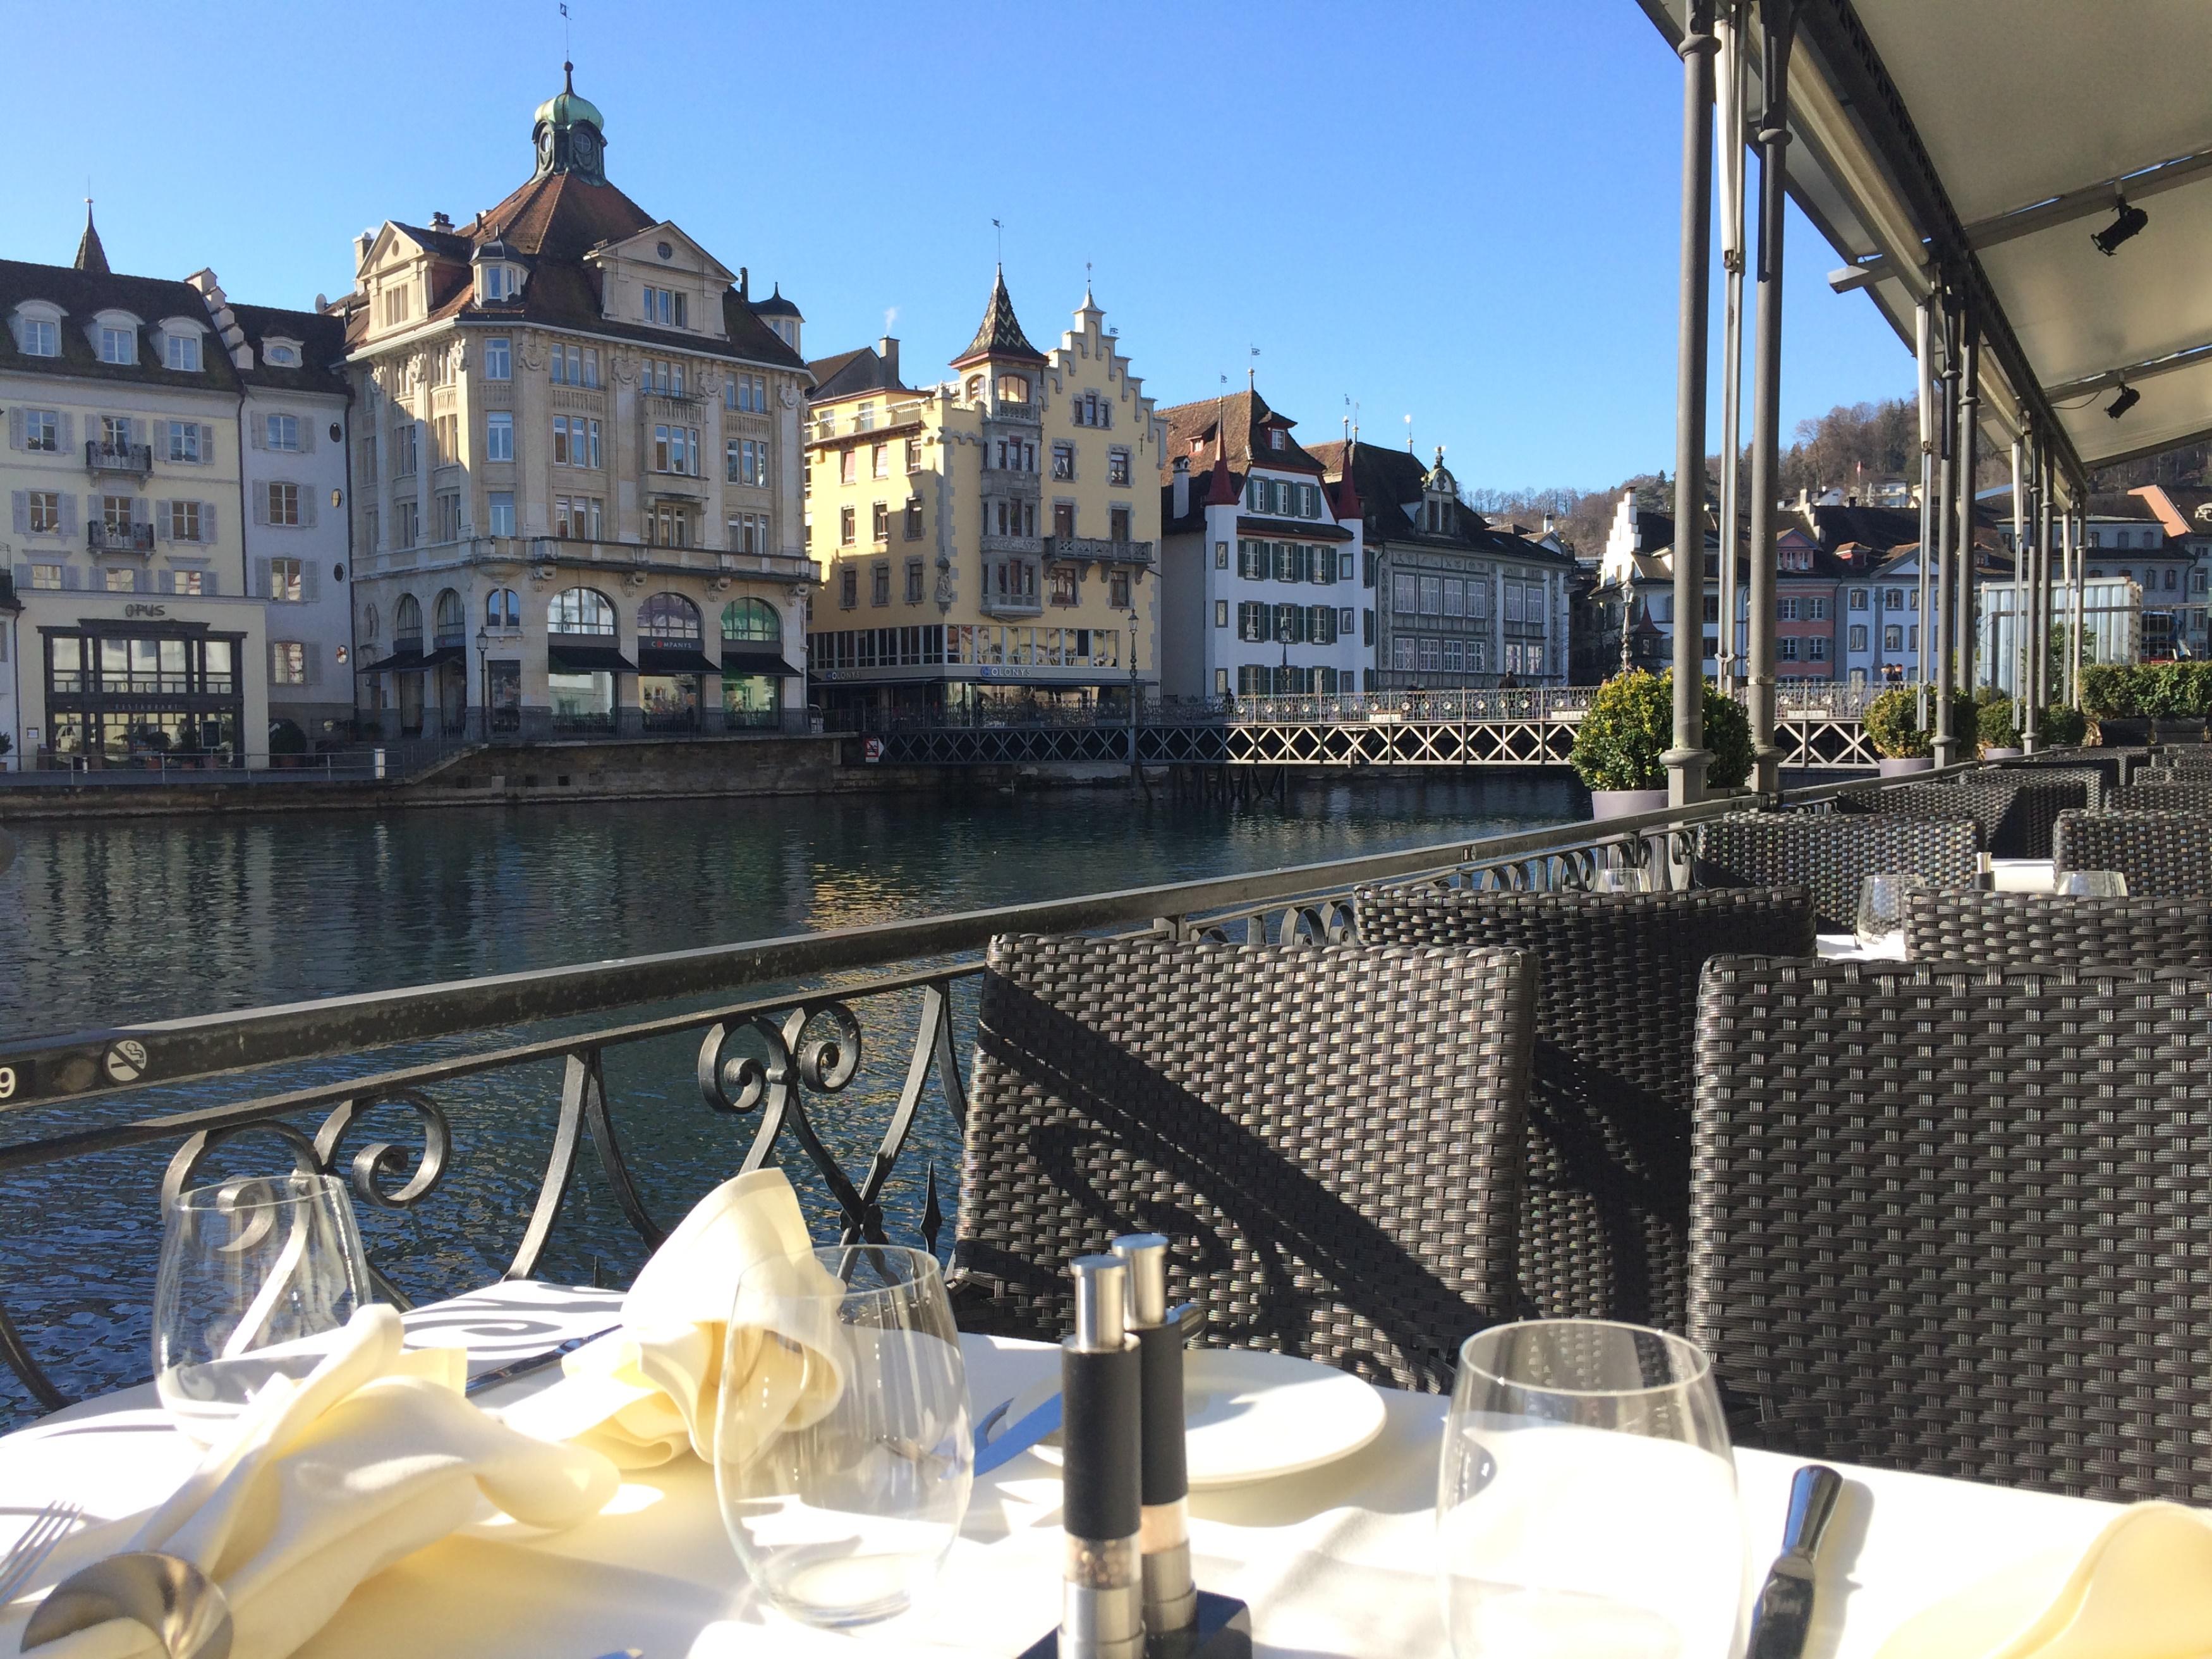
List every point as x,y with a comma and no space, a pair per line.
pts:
90,256
1000,336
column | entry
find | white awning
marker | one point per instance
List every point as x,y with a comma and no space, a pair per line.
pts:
2009,124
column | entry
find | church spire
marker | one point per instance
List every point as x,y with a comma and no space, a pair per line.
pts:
90,255
570,133
1000,333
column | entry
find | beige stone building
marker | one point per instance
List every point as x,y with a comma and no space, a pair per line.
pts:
576,467
990,540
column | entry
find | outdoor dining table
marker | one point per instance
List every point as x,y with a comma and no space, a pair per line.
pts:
2006,876
1337,1561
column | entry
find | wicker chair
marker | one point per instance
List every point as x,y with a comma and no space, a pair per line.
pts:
2044,930
1831,852
2017,812
2165,854
1953,1221
1331,1136
2186,792
2099,772
1605,1189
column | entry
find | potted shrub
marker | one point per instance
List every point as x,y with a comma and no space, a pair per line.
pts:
1998,729
2111,696
1630,725
2064,727
1893,725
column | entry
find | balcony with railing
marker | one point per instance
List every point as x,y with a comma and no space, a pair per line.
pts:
128,538
1099,548
137,459
1001,409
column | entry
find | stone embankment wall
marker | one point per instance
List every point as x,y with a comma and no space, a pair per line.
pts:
525,774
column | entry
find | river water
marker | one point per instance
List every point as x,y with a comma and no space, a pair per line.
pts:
128,920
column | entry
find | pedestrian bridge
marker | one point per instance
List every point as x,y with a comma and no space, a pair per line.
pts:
1819,726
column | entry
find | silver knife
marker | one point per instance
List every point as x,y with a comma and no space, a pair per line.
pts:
1044,1419
1783,1618
529,1362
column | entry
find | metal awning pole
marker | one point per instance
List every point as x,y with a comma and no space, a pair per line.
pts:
1686,762
1777,23
2077,542
1924,354
1937,631
1728,129
2038,644
1970,411
2015,645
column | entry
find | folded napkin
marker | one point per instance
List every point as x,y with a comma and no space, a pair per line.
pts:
324,1481
654,1388
2143,1591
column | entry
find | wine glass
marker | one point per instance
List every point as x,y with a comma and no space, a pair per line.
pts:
1880,923
1586,1501
2091,884
842,1453
1621,878
256,1276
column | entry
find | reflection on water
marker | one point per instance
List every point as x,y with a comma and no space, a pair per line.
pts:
114,922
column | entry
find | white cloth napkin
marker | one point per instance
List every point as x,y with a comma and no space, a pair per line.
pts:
325,1481
2143,1590
654,1388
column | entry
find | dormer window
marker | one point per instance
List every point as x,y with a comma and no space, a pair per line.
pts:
496,283
1275,438
38,336
181,353
281,354
666,308
117,345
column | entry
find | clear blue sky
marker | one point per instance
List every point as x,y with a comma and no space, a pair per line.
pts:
1465,212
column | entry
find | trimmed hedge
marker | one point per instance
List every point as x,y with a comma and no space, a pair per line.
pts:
1893,724
1630,725
2168,690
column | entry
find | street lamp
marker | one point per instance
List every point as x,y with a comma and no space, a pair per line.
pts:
1134,623
484,679
1283,636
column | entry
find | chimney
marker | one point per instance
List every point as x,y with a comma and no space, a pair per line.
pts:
1548,524
744,283
440,221
1804,499
1180,498
887,349
361,244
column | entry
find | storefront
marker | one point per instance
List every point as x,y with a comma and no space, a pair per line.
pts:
582,682
115,692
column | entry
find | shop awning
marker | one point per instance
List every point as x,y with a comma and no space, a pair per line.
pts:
688,659
414,662
562,657
765,659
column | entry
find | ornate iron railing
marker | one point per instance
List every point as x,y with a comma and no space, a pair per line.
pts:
441,1089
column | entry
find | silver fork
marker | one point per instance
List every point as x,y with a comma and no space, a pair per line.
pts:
48,1528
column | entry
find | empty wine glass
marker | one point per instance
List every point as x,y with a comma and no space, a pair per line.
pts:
842,1453
1880,923
1586,1501
256,1276
1620,878
2091,884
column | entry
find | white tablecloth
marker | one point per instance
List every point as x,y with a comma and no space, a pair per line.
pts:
1335,1563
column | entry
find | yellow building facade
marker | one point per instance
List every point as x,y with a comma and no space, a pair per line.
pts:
991,542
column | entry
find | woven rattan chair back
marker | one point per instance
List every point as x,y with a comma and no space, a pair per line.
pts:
1605,1190
2016,812
1829,853
2046,930
2098,774
2193,759
1330,1135
2185,793
1954,1220
2164,854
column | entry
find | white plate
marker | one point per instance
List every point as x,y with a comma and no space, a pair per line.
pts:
1253,1416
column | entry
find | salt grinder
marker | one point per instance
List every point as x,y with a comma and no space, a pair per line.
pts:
1164,1535
1102,1388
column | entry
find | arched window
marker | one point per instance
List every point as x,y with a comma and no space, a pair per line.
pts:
451,618
502,608
751,622
407,618
1013,389
975,387
668,619
580,611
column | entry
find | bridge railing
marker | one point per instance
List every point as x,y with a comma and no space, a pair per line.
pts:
560,1118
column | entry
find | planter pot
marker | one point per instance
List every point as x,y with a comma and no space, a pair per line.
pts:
2126,731
1621,803
1999,752
2180,728
1899,767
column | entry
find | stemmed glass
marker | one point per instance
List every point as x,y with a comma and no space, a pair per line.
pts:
256,1275
2091,884
1621,878
1586,1503
843,1459
1880,921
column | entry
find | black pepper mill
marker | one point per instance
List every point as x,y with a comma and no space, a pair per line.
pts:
1164,1536
1102,1606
